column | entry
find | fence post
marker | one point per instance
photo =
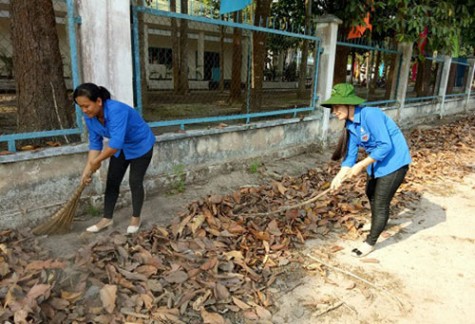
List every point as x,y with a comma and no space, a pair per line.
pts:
327,30
402,76
444,79
468,85
106,46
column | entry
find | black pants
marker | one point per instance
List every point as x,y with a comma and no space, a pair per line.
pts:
380,192
117,168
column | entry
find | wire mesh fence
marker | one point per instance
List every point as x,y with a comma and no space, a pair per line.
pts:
370,67
424,79
457,84
10,117
210,68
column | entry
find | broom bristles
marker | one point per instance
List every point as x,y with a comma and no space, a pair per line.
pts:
60,222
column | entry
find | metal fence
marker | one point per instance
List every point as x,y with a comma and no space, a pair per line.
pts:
457,85
370,67
66,21
211,70
424,79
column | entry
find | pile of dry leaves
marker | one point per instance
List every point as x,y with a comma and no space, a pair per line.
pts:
216,261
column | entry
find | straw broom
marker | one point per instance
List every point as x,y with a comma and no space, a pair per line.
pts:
60,222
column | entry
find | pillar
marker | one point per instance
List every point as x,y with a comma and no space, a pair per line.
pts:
106,46
327,29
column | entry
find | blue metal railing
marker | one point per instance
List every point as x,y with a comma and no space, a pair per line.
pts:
415,99
12,138
248,117
217,22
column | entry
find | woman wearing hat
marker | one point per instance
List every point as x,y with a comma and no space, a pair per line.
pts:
387,159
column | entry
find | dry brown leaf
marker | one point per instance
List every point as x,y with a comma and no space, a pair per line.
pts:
176,277
212,318
369,260
242,305
108,295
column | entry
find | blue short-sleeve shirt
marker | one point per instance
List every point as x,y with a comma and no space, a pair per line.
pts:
380,137
125,128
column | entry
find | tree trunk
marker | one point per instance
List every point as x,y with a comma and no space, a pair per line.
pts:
175,49
303,61
221,58
423,81
143,58
183,83
373,84
259,54
41,91
451,81
341,62
235,91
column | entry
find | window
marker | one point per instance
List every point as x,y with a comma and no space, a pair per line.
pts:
158,55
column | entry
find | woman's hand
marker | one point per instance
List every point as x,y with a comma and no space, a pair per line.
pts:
356,169
94,165
339,178
86,178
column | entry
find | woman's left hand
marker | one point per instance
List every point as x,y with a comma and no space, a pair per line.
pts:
356,169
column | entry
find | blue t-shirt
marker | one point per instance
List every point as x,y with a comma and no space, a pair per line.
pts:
381,138
124,127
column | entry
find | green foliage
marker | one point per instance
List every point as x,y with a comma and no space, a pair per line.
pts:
254,166
92,210
179,179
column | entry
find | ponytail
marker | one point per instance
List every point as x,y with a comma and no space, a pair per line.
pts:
342,146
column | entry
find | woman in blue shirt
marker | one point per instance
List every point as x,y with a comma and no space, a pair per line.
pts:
387,159
130,143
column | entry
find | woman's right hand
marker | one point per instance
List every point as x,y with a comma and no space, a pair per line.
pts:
339,178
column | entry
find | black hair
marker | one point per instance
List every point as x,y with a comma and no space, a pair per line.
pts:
92,92
342,146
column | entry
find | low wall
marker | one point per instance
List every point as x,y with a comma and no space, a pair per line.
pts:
35,184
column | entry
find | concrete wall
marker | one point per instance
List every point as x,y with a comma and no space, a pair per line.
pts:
35,184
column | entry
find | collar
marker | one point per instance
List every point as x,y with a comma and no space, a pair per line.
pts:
357,115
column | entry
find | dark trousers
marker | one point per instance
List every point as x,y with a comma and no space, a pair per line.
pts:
380,192
117,168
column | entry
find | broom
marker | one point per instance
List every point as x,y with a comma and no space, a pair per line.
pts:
60,222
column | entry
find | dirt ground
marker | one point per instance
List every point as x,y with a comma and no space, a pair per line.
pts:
423,270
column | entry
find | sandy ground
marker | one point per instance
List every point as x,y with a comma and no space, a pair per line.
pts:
423,270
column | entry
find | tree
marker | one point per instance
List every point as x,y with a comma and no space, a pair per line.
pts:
180,49
259,52
42,101
235,89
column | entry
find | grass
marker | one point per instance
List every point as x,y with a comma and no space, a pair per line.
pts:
179,179
254,166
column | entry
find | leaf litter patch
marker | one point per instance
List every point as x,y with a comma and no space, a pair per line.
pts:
217,262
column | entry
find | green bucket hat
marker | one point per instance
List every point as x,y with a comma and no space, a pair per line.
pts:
343,94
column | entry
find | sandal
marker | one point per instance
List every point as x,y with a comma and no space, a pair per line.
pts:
362,251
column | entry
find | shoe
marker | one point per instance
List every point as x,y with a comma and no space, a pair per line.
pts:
95,228
362,251
131,229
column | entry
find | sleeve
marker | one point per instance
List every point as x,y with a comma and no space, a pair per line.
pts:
117,126
95,140
351,152
376,123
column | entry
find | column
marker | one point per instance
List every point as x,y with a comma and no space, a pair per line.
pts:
200,65
327,29
403,67
106,46
444,79
468,85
